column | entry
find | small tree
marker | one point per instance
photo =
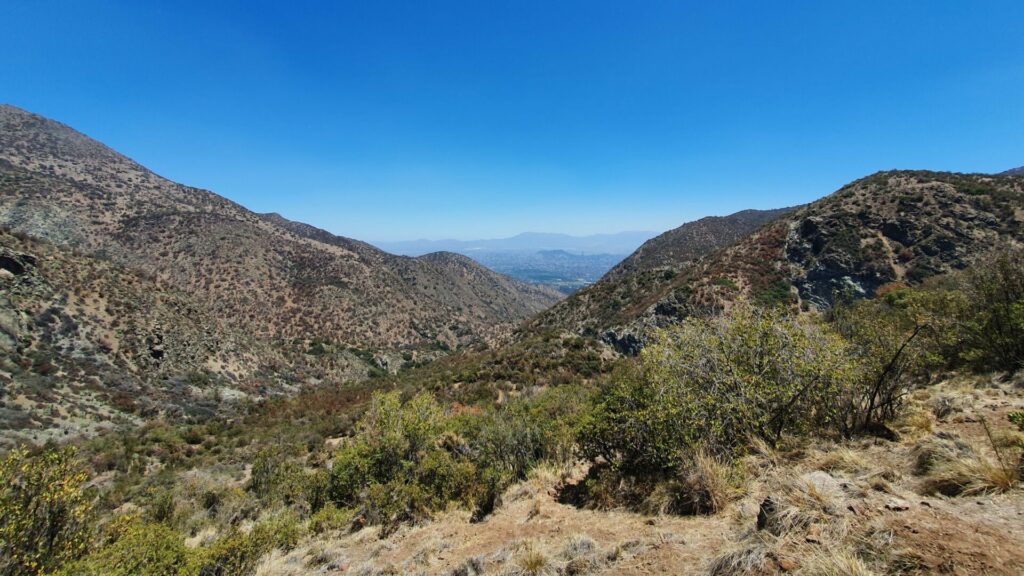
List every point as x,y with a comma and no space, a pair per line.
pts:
44,511
994,326
897,339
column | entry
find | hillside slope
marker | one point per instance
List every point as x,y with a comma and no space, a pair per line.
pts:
899,226
645,274
693,240
88,345
262,274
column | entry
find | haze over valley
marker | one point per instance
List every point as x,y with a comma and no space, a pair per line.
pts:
564,262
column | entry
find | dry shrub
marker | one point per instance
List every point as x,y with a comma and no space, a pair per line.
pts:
945,405
970,475
916,423
800,502
581,565
1008,439
936,449
532,562
578,545
763,453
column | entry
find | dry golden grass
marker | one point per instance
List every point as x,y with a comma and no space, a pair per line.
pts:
706,486
842,459
836,563
970,475
532,562
916,423
749,556
1005,439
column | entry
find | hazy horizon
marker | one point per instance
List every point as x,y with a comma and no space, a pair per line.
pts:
467,121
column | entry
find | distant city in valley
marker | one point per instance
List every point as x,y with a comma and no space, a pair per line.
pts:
561,261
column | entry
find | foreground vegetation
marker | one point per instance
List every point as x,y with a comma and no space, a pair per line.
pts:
671,432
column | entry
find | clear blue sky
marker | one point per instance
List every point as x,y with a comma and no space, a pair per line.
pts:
396,120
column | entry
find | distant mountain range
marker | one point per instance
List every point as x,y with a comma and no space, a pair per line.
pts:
620,243
561,261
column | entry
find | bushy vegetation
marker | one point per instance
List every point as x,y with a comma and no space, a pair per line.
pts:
409,459
716,383
666,433
994,323
133,547
751,375
45,514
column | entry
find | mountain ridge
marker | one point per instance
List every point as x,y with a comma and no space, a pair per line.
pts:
259,271
889,227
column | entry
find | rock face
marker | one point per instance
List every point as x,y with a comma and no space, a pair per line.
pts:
262,273
900,226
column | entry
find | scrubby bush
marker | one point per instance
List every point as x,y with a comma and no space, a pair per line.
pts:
276,478
45,513
994,326
897,339
397,468
1017,418
235,554
238,553
715,383
330,519
133,547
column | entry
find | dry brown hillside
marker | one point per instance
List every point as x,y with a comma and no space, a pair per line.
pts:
88,345
260,274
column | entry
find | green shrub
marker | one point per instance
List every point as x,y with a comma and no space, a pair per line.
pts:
238,553
350,474
897,339
396,469
330,519
45,514
716,383
1017,418
162,508
282,531
994,327
394,503
135,548
235,554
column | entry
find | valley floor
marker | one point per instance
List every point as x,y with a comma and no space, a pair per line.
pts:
864,507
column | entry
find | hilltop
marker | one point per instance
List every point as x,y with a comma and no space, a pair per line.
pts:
125,297
891,227
261,274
